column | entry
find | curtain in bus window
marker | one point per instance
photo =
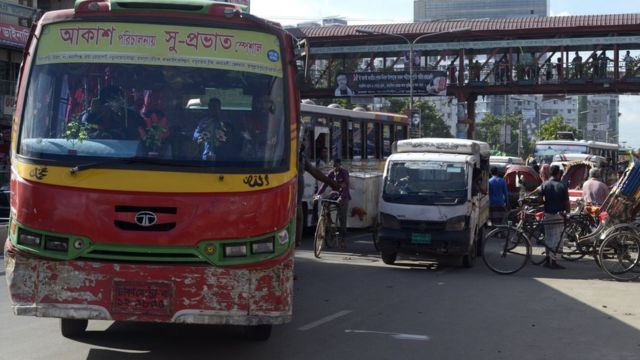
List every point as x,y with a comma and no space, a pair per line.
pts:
371,141
336,140
357,141
386,141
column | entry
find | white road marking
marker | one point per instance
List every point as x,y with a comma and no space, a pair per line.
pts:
397,336
324,320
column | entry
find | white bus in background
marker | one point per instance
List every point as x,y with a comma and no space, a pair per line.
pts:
434,201
362,140
545,150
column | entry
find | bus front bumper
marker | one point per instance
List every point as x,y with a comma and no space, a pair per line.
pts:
441,243
177,293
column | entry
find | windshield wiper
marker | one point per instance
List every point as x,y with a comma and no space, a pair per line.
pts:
452,190
125,161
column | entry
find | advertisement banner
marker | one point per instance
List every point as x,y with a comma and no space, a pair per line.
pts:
425,83
152,44
13,35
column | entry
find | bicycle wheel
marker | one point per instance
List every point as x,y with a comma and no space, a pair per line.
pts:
319,238
619,255
505,250
572,249
538,247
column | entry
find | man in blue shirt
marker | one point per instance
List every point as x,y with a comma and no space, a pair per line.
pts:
498,196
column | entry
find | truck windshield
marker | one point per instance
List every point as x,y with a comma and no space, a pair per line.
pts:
425,182
148,99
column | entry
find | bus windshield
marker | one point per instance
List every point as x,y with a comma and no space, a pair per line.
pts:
426,182
107,105
544,153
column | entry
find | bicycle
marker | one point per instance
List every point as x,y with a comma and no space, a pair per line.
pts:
508,248
619,254
326,228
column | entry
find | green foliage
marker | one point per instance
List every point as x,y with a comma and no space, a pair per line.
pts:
77,130
397,106
431,121
550,129
490,128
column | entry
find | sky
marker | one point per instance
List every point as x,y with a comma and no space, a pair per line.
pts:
358,12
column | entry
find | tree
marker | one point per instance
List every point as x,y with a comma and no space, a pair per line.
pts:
397,105
550,129
431,121
491,127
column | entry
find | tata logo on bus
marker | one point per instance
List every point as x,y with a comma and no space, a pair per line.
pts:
146,218
273,56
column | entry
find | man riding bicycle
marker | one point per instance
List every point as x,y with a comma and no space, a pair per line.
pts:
341,176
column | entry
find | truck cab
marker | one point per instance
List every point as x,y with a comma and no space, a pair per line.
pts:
434,201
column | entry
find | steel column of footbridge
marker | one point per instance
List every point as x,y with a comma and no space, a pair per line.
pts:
515,56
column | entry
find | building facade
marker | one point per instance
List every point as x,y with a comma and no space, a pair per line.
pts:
430,10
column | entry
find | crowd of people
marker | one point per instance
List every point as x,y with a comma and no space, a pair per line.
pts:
553,194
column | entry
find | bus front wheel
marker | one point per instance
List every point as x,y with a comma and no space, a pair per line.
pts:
71,328
257,332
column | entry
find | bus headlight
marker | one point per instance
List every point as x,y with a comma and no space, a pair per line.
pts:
56,243
458,223
235,250
29,239
262,247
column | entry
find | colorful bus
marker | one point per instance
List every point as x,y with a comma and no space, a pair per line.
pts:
118,210
545,150
362,140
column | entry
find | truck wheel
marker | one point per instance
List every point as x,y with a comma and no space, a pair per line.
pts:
388,257
72,328
469,260
258,332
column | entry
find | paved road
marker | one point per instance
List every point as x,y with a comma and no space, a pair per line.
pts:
349,305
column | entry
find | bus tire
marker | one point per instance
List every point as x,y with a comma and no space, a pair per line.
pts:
72,328
258,332
388,257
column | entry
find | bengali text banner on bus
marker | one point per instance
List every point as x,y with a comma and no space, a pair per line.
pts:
151,44
425,83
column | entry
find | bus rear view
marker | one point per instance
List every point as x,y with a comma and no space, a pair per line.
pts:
131,203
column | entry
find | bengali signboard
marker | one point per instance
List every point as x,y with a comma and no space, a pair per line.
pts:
13,35
152,44
425,83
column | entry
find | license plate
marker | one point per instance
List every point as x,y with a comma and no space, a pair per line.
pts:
148,298
420,238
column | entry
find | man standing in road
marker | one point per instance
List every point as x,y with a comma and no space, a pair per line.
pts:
498,196
341,176
305,165
556,204
594,191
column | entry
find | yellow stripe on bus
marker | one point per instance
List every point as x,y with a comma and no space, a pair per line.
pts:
152,181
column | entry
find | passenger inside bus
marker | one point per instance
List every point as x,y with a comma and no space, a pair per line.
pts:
111,116
213,134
